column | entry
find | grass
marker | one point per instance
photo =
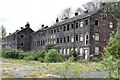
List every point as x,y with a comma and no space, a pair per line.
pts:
62,69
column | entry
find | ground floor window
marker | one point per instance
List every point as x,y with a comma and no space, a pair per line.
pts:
96,50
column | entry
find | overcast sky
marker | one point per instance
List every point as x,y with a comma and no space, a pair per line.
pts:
15,13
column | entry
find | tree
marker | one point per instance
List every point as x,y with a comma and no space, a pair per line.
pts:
49,46
80,10
53,56
91,6
3,31
113,47
66,14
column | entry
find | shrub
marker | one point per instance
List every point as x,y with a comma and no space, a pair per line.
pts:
12,54
53,56
28,58
49,46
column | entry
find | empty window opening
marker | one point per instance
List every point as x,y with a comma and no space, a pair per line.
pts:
96,22
86,22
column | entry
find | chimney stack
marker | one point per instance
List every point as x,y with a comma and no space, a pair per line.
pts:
27,25
76,14
21,28
57,20
86,11
42,25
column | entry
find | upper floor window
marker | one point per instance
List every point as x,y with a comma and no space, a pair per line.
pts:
61,28
86,39
81,37
110,25
64,28
77,25
64,39
68,38
60,40
54,30
86,22
72,26
22,36
57,40
81,24
68,28
51,31
96,22
57,29
76,37
97,36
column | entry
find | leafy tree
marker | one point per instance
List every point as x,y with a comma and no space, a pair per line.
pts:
49,46
113,47
53,56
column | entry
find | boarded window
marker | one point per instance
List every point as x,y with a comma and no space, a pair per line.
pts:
81,37
81,51
68,51
96,50
97,36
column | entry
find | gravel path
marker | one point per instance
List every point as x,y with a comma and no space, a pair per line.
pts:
21,72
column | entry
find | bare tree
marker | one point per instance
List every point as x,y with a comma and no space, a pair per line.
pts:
91,6
66,14
3,31
80,11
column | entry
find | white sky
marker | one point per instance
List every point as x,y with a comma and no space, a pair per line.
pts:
15,13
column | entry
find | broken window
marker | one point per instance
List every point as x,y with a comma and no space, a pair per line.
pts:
77,25
22,44
86,22
96,22
22,36
68,27
76,37
72,26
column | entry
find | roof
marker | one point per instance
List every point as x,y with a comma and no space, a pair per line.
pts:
72,19
17,32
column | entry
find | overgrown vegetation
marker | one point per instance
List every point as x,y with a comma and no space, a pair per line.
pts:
50,55
111,59
53,56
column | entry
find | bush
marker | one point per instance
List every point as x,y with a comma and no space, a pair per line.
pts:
53,56
41,59
28,58
34,55
12,54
